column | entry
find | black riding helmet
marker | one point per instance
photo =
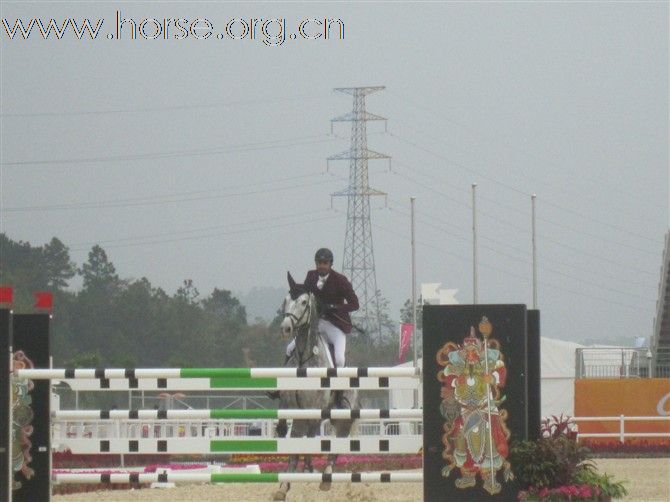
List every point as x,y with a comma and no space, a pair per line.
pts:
324,254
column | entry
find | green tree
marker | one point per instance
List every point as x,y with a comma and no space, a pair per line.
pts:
225,306
58,267
406,313
187,292
22,266
99,273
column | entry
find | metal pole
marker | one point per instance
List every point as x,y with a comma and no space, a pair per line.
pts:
8,476
414,333
532,198
51,365
474,245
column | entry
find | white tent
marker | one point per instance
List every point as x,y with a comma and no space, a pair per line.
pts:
557,372
557,379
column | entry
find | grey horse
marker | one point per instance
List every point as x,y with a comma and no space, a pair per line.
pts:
301,319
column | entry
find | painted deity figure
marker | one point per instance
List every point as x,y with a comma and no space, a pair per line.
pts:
22,417
475,435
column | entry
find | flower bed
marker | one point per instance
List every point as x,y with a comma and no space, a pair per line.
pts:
357,463
565,492
556,468
267,463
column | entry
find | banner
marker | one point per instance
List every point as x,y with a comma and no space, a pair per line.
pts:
646,397
44,300
406,332
6,294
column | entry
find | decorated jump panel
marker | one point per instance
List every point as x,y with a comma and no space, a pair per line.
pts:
213,373
265,477
534,376
6,469
228,413
242,384
474,396
31,443
203,445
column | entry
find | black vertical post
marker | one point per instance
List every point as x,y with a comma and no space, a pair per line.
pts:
534,376
6,474
31,335
456,440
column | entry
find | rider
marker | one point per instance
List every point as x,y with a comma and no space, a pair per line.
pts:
333,290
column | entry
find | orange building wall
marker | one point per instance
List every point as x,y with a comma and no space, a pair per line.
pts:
630,397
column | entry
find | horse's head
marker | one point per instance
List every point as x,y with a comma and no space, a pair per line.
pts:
296,308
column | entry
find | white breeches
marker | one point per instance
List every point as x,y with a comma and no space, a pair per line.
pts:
334,335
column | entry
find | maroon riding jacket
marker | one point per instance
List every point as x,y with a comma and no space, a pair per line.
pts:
335,291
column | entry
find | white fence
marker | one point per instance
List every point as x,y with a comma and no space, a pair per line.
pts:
622,435
62,430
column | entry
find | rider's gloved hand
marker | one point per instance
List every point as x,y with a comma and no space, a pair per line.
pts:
331,309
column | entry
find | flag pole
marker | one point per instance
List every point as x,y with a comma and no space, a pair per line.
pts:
532,198
414,329
474,245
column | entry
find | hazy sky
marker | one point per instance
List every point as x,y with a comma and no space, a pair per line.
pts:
205,159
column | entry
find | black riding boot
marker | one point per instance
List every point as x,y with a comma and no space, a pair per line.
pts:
337,399
274,394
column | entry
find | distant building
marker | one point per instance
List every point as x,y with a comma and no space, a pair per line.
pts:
432,294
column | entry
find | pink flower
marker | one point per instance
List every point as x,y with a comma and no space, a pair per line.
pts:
585,491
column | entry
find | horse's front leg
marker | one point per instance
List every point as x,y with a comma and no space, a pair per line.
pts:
343,429
330,466
286,486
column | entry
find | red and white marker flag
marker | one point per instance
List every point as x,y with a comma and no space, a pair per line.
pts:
44,300
6,294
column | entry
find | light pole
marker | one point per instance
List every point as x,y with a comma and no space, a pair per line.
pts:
474,244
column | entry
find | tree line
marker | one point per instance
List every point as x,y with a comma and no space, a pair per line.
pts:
114,322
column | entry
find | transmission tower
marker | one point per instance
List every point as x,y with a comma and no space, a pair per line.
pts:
358,262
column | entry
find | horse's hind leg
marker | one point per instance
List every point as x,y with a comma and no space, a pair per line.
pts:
307,465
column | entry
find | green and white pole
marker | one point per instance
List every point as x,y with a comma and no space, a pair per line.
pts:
267,477
227,413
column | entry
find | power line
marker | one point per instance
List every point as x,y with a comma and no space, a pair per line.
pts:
248,147
517,190
546,220
597,181
544,267
524,252
183,197
217,234
200,229
544,283
519,228
540,181
162,108
459,165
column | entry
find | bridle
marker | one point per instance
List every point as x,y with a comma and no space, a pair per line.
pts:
295,320
297,323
